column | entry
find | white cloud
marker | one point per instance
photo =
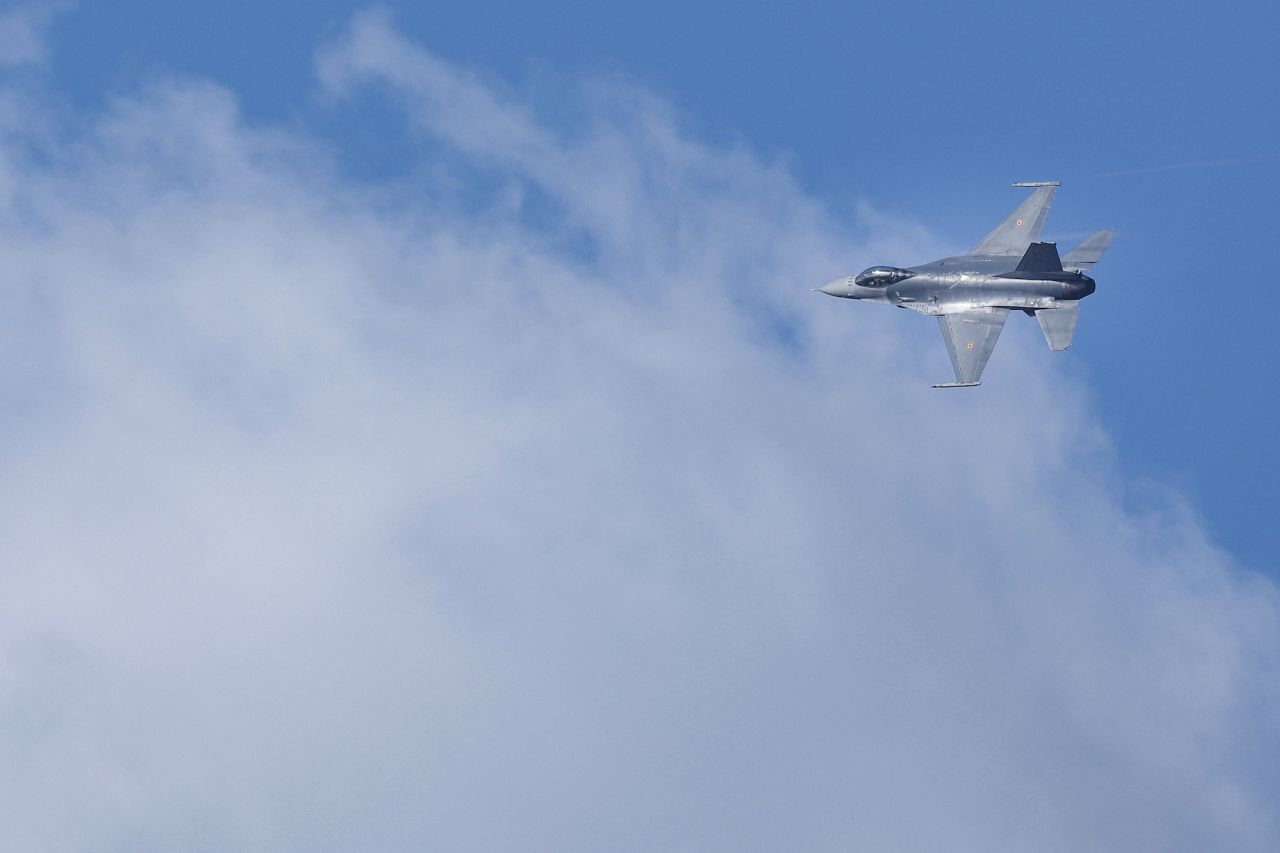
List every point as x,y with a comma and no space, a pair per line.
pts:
342,518
22,31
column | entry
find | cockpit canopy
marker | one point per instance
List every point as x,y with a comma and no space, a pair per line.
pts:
881,276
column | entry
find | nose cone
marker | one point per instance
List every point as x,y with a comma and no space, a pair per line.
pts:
839,287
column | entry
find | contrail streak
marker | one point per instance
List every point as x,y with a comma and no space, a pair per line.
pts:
1197,164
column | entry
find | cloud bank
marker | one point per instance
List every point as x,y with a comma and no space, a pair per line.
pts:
535,505
22,31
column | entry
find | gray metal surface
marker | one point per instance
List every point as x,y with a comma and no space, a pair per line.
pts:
1022,227
1089,252
971,337
1059,324
971,295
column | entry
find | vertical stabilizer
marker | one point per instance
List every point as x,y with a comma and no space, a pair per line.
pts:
1040,257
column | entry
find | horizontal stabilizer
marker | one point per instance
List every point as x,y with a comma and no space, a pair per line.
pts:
1059,324
1083,257
1041,257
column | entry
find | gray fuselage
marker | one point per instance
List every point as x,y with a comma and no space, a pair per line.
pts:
962,283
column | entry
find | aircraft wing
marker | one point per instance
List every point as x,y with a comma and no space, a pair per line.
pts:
1022,227
970,337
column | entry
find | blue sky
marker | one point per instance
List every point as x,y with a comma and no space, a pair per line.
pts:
417,432
928,111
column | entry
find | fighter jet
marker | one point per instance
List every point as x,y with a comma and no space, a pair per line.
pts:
971,295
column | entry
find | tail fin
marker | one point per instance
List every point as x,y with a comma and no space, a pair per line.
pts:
1059,324
1083,257
1041,257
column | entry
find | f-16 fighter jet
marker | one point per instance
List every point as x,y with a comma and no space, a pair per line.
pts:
971,295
